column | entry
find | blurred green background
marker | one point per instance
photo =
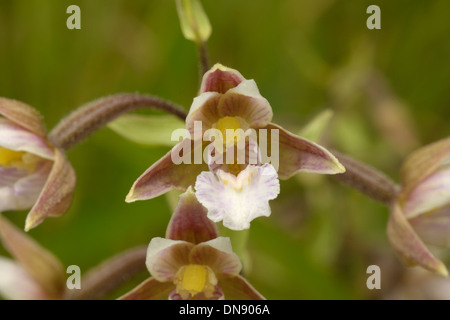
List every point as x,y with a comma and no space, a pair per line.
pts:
389,90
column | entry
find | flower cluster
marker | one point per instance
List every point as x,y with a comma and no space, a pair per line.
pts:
228,166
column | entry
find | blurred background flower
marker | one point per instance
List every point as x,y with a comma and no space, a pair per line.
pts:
422,209
388,89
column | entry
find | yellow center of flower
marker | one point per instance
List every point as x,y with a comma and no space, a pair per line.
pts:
18,159
9,157
228,123
194,279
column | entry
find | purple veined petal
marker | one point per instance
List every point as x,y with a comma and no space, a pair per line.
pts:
218,255
203,109
20,189
165,175
422,162
238,200
243,102
246,102
189,221
16,138
220,79
165,257
433,228
40,263
297,154
56,195
23,115
430,194
409,246
238,288
17,284
150,289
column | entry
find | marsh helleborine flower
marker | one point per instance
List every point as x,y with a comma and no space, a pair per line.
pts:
228,101
192,262
421,213
33,173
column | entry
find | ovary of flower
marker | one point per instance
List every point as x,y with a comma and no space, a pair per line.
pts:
194,279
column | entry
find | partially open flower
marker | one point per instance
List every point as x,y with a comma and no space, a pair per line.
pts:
228,102
421,213
33,174
34,274
192,262
194,21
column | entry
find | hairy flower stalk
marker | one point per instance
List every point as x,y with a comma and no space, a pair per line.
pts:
109,275
87,119
367,179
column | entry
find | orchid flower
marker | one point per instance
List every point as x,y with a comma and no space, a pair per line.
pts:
34,274
33,174
421,213
227,101
192,262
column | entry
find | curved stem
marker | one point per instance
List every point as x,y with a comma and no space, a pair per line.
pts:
204,58
367,179
87,119
109,275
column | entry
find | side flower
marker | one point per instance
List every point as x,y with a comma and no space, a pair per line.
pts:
192,262
33,174
421,213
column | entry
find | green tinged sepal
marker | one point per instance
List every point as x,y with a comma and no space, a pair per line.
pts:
194,21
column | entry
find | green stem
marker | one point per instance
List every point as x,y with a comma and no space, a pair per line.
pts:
203,57
239,241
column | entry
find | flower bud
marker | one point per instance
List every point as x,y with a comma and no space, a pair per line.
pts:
194,21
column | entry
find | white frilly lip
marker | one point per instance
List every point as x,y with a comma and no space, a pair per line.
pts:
237,200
